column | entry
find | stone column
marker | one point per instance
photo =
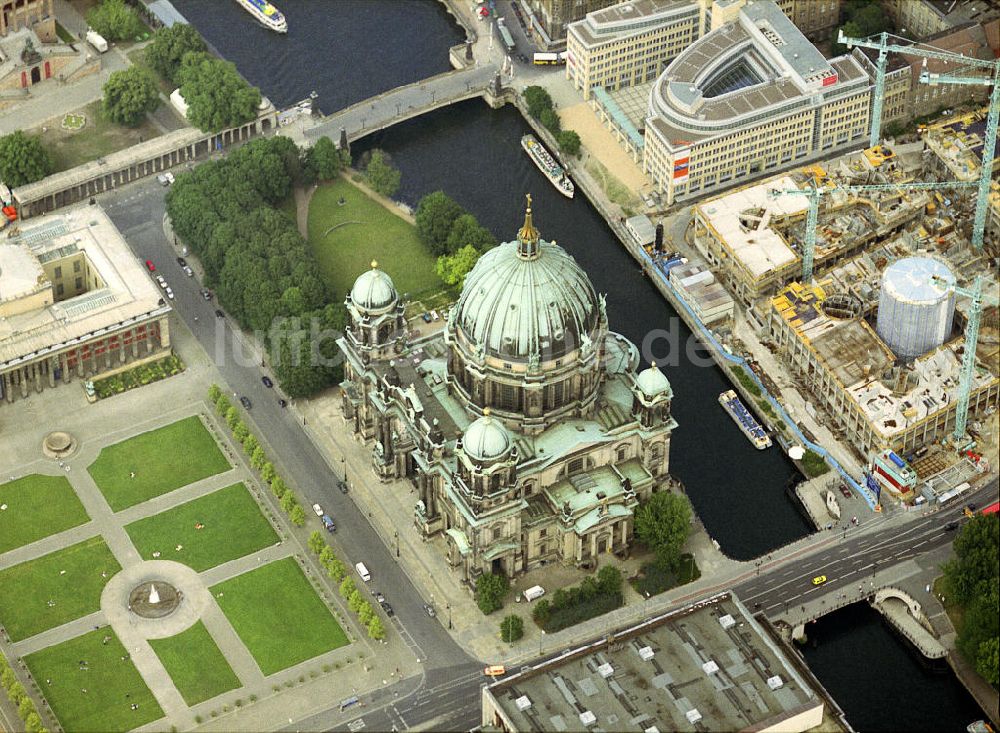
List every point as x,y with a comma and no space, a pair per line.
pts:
135,343
52,371
6,387
121,348
23,375
64,365
164,334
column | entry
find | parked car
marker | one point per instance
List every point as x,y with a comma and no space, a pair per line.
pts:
282,402
426,316
150,266
169,292
429,610
267,382
328,523
318,509
188,271
206,293
164,181
951,526
388,610
379,598
342,485
182,262
245,401
162,283
845,491
219,313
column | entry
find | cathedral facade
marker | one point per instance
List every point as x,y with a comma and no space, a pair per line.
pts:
524,425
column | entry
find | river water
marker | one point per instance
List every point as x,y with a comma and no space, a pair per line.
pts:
348,50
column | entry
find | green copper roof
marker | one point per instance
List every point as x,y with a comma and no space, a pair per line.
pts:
517,307
487,439
653,382
373,290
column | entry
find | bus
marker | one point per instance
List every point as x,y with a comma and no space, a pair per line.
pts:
505,37
546,59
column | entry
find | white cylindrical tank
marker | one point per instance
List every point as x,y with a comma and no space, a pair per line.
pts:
915,311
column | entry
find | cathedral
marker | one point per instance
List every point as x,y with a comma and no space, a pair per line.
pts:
524,424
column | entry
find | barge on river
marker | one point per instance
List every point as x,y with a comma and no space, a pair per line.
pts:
547,165
741,415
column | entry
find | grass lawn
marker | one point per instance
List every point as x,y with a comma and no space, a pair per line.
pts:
195,664
278,615
64,35
99,698
137,57
37,506
232,526
98,138
70,577
369,232
163,460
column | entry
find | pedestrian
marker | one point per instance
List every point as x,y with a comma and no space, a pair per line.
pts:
83,690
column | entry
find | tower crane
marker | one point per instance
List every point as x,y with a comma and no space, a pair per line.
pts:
884,46
971,342
815,193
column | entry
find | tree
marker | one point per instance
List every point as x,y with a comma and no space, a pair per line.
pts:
16,692
168,47
465,230
258,458
297,516
8,678
23,159
541,612
354,601
537,99
381,175
214,393
336,569
973,571
550,120
346,588
216,95
609,580
25,708
366,613
511,628
222,405
988,660
490,591
250,444
569,142
278,487
326,553
452,269
663,523
436,214
232,417
316,543
33,723
326,159
288,501
115,20
376,629
268,472
128,95
240,431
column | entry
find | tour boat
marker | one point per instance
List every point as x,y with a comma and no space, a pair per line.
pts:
268,15
741,415
547,165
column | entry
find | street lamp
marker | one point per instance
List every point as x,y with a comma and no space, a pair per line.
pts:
448,609
396,535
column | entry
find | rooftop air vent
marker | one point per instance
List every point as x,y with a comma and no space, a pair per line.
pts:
693,716
646,653
588,718
652,729
710,667
605,670
726,621
775,682
522,703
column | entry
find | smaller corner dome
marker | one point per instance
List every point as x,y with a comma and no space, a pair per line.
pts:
652,382
373,290
486,439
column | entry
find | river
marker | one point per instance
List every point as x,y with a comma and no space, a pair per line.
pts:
348,50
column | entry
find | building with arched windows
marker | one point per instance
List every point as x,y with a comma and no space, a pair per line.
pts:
525,426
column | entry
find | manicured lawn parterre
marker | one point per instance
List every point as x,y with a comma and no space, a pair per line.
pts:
369,232
36,507
71,579
231,527
100,697
162,460
195,664
278,615
138,376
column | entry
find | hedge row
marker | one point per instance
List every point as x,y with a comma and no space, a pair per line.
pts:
337,571
139,376
19,696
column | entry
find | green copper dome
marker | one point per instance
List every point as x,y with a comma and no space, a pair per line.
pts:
527,299
652,382
486,439
373,290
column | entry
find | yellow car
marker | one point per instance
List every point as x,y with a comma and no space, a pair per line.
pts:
819,580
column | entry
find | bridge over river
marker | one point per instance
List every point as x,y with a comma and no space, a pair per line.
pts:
405,102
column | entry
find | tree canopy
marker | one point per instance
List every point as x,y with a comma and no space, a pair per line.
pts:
23,159
216,95
452,269
663,523
862,18
115,20
168,47
490,591
466,231
569,142
129,94
381,175
537,99
435,215
326,159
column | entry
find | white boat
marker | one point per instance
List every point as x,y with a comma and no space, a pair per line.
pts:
547,165
268,15
748,424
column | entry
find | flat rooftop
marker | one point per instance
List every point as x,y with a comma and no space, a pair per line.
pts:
708,666
629,18
742,221
128,294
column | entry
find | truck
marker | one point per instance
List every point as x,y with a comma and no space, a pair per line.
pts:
535,591
96,40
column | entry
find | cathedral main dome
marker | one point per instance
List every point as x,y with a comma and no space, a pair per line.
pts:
527,299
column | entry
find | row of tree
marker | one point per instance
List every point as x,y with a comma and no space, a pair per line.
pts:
972,580
261,268
861,18
592,597
379,173
337,570
115,20
453,234
541,107
19,696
